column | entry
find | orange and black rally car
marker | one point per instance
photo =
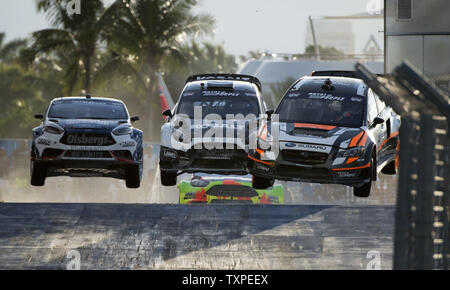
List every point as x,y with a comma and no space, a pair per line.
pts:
328,129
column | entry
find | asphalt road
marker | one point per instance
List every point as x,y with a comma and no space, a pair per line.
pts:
165,236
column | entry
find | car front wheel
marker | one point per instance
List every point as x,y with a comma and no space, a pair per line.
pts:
168,178
133,176
38,174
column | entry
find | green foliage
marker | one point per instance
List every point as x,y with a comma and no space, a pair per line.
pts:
325,52
205,58
277,90
110,51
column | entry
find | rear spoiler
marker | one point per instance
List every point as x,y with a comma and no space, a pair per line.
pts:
337,73
230,77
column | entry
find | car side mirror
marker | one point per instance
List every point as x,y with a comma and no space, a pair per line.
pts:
269,114
39,116
377,121
134,119
167,113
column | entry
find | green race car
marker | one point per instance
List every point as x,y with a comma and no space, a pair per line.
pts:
214,188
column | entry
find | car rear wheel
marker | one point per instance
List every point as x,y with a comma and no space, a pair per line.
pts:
38,174
168,178
133,176
261,182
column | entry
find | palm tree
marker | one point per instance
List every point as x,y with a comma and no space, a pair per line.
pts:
152,29
144,33
9,51
200,58
76,35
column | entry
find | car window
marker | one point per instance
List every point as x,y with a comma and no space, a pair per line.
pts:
219,102
87,109
322,108
372,106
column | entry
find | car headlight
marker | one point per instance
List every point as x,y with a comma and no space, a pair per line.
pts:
122,130
52,129
352,152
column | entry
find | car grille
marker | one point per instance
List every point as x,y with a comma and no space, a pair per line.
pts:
88,139
87,154
51,153
304,157
300,172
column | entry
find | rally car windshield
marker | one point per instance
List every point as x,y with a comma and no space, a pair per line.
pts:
87,109
322,108
219,102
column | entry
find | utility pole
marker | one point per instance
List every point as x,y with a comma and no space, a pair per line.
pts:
316,47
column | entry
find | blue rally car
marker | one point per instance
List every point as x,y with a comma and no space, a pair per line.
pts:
87,137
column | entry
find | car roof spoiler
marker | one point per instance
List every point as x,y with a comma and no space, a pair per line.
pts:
227,77
336,73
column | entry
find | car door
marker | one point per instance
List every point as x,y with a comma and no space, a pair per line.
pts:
378,131
388,147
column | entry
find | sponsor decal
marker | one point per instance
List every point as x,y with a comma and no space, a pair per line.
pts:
353,99
43,141
325,96
87,140
220,94
86,148
310,146
293,95
346,174
262,167
170,154
290,145
127,144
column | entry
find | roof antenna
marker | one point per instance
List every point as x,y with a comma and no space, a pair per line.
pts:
328,85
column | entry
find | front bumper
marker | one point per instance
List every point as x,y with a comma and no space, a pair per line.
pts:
223,161
86,161
354,174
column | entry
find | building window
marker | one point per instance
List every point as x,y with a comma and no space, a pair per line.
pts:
404,9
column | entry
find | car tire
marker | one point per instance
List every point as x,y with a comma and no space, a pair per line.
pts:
38,174
364,191
168,178
261,182
133,176
390,169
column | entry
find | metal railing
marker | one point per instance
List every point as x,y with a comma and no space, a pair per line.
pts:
423,202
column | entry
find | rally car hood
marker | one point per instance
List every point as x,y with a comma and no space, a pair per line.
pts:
219,126
87,123
316,134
